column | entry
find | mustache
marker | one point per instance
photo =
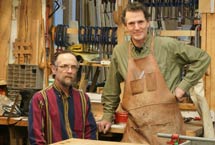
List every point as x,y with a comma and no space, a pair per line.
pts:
69,77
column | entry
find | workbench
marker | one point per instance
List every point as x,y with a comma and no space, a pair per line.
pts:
18,129
91,142
193,128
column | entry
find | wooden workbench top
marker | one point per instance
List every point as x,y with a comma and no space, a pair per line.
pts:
17,121
91,142
193,128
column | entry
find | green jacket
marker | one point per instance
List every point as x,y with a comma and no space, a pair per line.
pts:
171,55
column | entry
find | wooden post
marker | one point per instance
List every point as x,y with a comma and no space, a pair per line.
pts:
5,30
117,16
207,43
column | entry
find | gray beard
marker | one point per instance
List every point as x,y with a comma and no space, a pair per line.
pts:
68,84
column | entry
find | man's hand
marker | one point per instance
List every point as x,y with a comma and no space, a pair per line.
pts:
179,93
104,126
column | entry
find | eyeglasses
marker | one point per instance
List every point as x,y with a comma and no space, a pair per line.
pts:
66,67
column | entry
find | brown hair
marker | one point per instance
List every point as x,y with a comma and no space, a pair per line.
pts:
133,7
54,58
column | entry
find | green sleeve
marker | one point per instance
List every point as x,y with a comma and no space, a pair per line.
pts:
198,61
111,92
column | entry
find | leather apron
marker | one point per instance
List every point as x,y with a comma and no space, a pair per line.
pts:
151,107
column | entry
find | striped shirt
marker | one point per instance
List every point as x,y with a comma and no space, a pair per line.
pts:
61,118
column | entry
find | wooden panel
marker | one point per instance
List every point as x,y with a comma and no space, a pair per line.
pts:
206,7
210,48
36,40
5,30
35,8
29,26
204,47
22,27
17,121
177,33
208,43
120,30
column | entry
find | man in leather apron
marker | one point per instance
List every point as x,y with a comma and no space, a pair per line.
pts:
151,106
150,95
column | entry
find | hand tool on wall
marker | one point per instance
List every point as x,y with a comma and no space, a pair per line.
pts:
102,15
165,8
95,79
112,10
163,25
173,9
93,39
158,7
83,82
102,43
113,38
108,42
153,22
89,37
85,75
61,37
109,19
98,41
98,13
105,16
81,34
91,13
65,36
181,13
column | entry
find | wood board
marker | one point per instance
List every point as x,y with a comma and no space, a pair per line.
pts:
29,26
206,6
92,142
5,25
208,43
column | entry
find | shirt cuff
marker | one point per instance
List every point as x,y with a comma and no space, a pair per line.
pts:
184,85
108,117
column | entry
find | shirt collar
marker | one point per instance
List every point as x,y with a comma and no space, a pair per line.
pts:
146,45
137,49
60,91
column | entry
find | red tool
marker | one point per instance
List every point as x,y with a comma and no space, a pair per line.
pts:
174,140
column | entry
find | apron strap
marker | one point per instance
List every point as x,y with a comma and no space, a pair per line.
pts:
152,45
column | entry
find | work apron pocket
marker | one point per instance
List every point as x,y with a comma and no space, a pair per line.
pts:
137,86
151,84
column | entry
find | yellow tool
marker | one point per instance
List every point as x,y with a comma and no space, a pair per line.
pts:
76,48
